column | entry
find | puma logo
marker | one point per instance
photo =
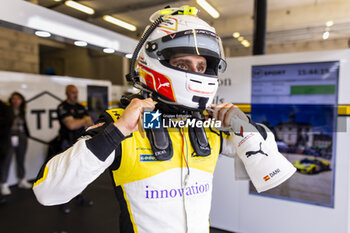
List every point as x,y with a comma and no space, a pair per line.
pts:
250,153
162,84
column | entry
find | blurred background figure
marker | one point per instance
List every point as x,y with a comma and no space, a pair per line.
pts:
74,119
18,144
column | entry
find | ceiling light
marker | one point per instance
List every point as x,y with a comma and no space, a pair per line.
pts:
240,38
108,50
236,34
43,34
57,0
80,43
208,8
80,7
329,23
119,23
129,55
325,35
245,43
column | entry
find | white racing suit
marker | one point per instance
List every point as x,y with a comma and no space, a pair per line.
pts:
157,196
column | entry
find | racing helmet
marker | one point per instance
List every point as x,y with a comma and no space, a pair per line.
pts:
181,33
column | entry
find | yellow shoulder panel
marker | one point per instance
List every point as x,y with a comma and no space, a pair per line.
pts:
115,113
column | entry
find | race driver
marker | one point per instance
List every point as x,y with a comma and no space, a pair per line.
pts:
163,179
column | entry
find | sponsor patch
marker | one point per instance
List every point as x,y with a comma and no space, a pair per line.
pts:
170,23
177,192
147,158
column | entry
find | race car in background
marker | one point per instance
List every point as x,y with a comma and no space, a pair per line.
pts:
311,166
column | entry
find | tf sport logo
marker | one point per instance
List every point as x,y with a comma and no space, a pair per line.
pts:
152,120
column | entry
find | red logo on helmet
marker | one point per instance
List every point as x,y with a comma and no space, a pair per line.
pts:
158,82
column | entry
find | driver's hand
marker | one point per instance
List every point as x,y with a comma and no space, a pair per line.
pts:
127,123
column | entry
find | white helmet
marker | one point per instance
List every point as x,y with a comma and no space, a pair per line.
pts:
181,32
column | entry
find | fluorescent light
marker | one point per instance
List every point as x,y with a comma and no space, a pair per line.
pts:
57,0
74,32
208,8
129,55
325,35
42,34
108,50
80,43
80,7
241,38
329,23
119,22
236,34
245,43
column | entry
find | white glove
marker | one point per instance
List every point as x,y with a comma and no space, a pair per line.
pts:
265,165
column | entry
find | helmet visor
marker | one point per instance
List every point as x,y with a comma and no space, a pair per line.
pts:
193,42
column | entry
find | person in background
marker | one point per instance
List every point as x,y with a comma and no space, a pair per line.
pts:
19,139
73,119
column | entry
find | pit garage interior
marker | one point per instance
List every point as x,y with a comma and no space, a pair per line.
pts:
263,40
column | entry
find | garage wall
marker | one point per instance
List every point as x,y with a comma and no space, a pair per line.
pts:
82,62
23,52
18,51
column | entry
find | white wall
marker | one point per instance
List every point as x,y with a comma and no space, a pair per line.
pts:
234,209
32,85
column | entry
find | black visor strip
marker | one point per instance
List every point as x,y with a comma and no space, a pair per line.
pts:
189,32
